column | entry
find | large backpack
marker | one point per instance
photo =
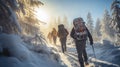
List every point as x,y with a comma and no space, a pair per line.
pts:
80,29
62,32
54,33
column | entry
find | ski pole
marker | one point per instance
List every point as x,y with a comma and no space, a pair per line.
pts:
96,65
93,51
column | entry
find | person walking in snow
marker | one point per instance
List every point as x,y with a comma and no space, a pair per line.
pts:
62,34
54,35
80,33
49,37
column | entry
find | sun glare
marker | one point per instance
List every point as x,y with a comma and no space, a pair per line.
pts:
42,15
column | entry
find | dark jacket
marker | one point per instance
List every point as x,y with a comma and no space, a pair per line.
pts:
63,33
89,35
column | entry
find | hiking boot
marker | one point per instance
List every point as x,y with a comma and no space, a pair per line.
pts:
86,63
82,64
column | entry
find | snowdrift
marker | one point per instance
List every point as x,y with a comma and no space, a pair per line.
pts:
15,53
107,54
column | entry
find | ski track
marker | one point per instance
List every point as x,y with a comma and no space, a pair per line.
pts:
101,53
73,59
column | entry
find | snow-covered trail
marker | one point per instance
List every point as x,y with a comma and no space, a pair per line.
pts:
23,55
71,55
107,55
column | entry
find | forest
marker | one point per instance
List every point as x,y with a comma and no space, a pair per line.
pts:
24,38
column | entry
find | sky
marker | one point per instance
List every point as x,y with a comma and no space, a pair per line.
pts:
76,8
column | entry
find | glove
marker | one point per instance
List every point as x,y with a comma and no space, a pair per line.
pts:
91,42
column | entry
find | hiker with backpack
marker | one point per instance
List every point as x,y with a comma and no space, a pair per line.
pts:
49,36
80,33
62,34
54,35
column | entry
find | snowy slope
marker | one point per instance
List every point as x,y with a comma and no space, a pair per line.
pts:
20,55
107,55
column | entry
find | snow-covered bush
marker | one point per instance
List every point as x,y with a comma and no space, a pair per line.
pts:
20,55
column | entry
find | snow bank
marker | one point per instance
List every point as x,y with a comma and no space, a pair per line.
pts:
107,54
64,59
20,55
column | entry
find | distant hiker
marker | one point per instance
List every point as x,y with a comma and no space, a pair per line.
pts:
62,34
49,37
80,33
54,35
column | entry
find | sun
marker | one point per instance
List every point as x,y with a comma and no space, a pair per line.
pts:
42,15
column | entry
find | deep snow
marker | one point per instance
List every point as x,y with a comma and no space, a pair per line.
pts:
107,54
20,54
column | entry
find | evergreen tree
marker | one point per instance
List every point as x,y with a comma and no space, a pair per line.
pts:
59,20
115,22
106,31
8,11
97,28
65,22
53,23
90,23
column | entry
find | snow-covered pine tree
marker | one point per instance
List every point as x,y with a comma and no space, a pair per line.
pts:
53,23
8,20
105,25
8,11
97,28
59,20
65,22
115,22
27,17
90,23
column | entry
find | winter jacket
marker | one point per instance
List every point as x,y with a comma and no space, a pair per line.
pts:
54,33
63,33
89,35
